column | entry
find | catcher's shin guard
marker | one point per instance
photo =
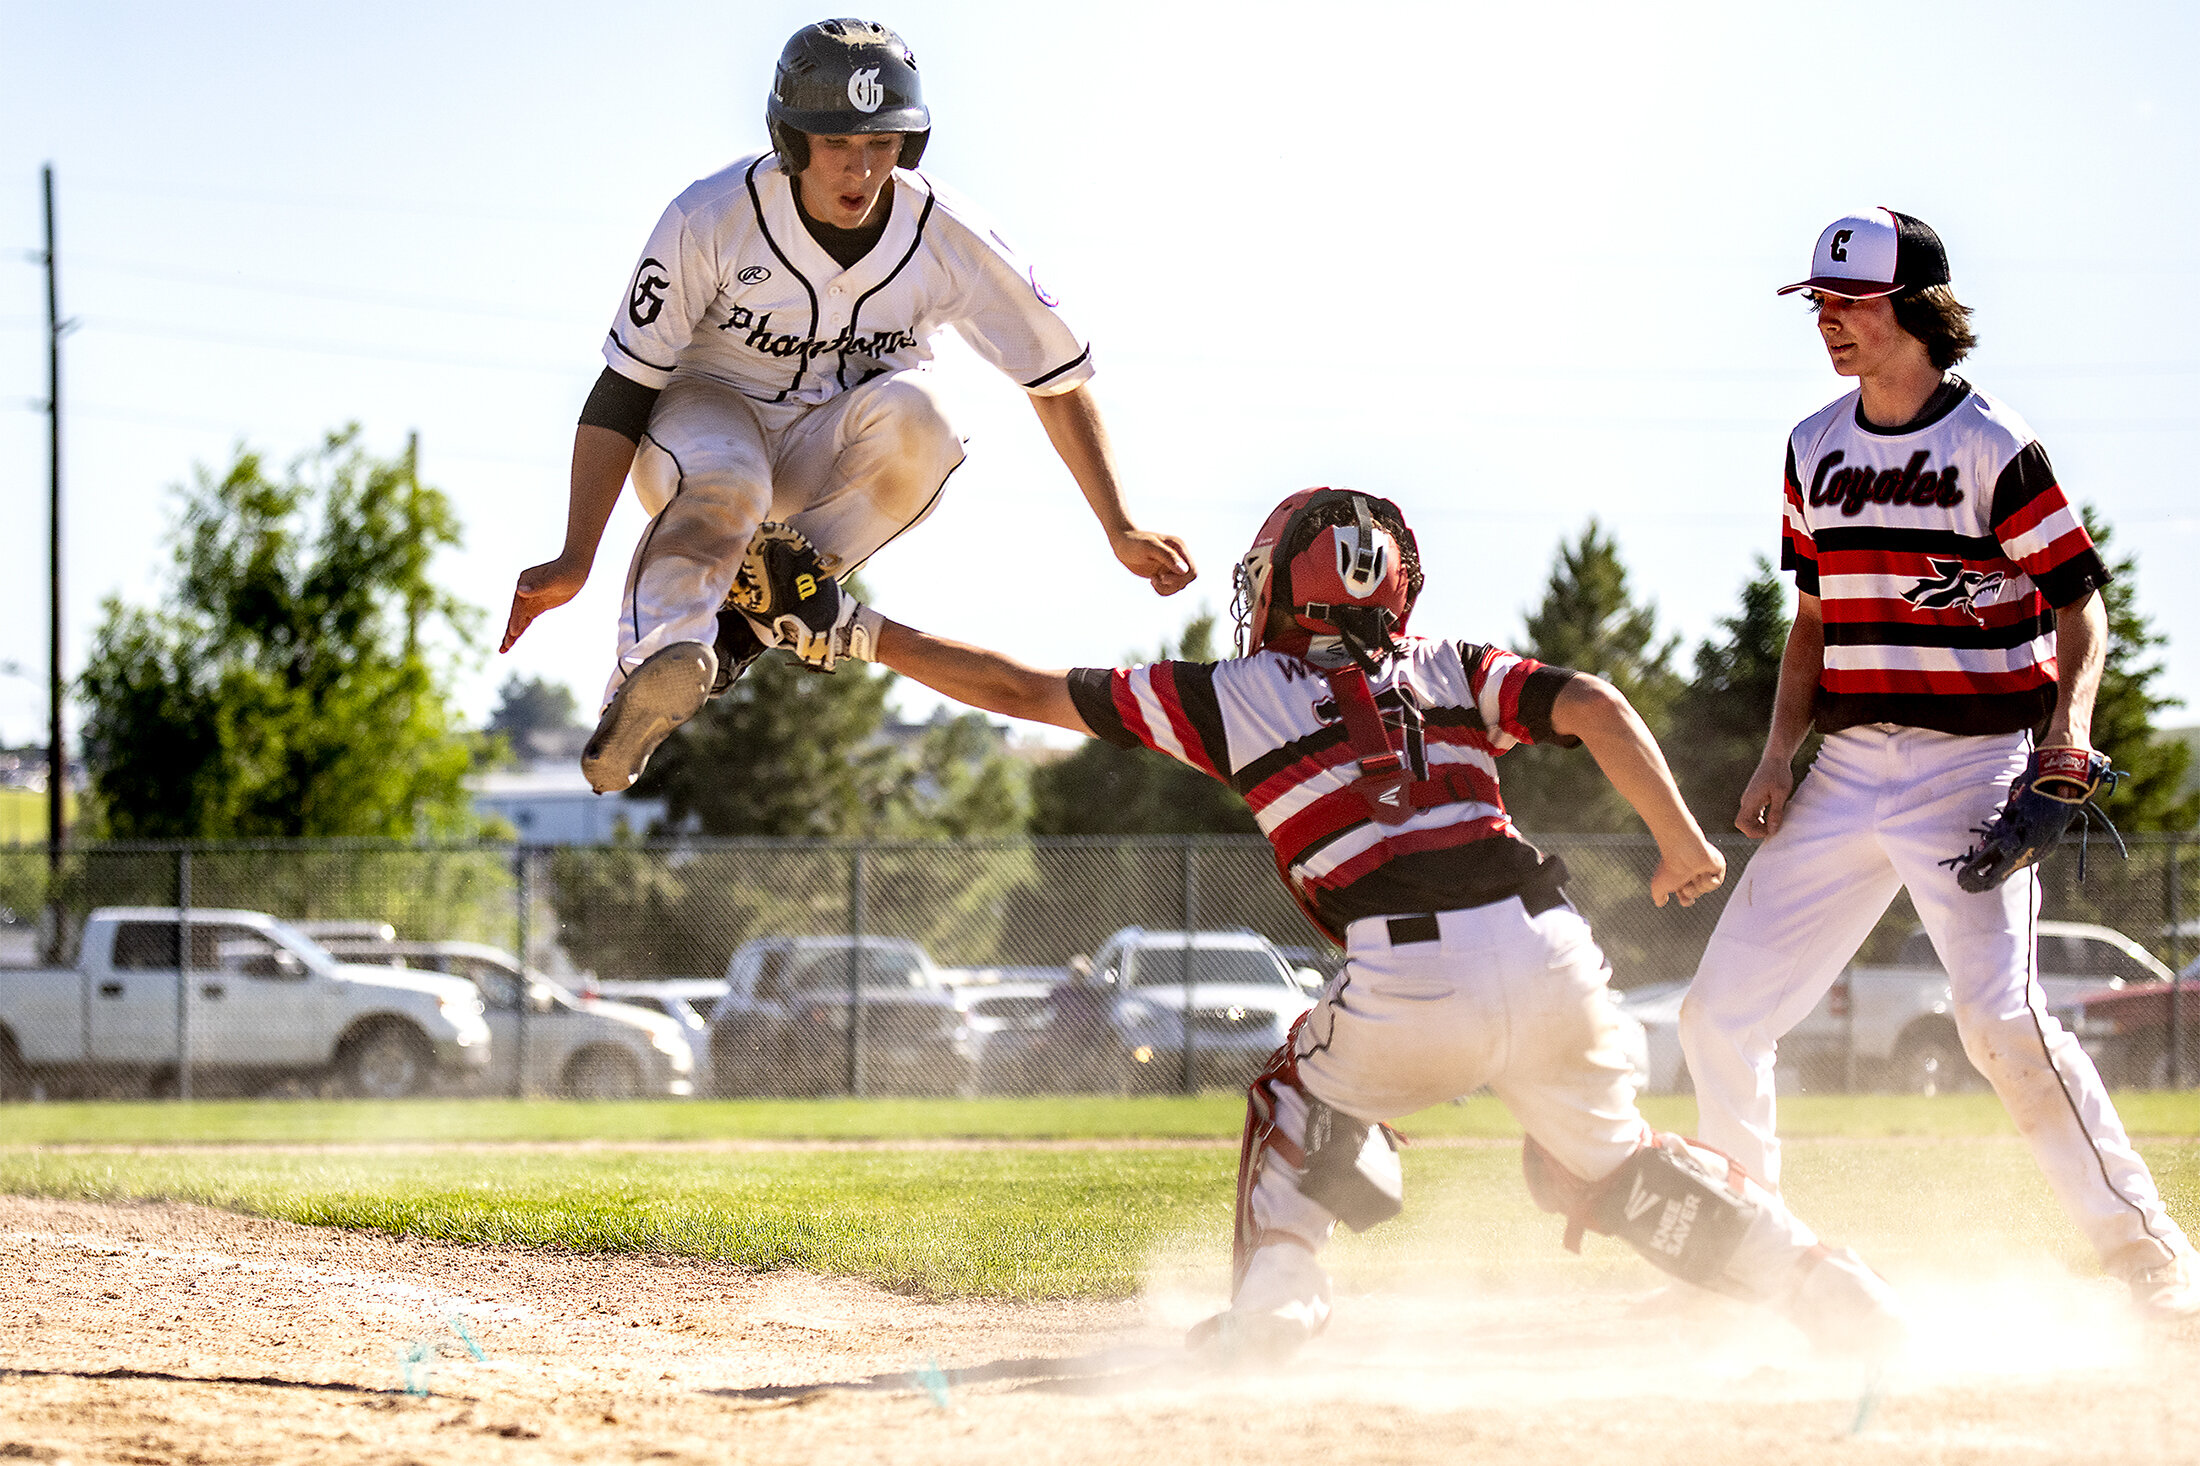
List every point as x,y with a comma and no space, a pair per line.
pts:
1697,1215
1304,1166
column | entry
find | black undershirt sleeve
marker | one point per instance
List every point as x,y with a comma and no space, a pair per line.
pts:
1544,685
620,404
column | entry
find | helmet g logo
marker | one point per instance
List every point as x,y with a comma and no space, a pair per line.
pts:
864,92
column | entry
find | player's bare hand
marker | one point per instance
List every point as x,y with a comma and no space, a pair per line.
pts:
541,588
1686,873
1160,558
1764,802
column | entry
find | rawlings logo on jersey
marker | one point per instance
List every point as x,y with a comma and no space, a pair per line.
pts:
864,91
648,298
1853,488
1952,585
846,343
754,275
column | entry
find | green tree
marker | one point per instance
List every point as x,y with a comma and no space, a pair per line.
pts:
2153,797
1104,790
1717,726
534,716
786,752
295,680
1589,621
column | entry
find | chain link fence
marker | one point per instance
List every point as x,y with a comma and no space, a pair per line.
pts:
736,967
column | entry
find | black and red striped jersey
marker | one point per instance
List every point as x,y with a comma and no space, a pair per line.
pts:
1938,552
1268,726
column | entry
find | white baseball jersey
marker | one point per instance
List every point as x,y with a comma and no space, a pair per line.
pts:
1937,551
731,286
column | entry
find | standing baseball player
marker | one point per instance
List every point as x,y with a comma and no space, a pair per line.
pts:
1947,607
768,364
1369,759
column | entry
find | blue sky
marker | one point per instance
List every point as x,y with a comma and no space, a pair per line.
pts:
1510,265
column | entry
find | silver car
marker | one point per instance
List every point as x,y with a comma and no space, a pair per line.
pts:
576,1045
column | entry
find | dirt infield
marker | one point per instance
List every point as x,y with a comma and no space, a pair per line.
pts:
167,1333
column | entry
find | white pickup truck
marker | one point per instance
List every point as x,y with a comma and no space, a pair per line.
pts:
1894,1027
264,1004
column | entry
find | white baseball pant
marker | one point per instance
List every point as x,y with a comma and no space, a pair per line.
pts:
1881,807
1506,999
850,473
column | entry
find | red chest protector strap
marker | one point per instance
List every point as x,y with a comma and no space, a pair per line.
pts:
1386,782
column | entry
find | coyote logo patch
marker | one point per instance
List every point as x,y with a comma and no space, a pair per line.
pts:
1952,585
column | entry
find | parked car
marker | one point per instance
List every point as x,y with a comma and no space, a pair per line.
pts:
1894,1027
1001,1005
587,1048
686,1001
265,1005
2127,1030
783,1024
1655,1009
1241,994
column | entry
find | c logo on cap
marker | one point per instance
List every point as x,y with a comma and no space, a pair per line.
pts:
1840,250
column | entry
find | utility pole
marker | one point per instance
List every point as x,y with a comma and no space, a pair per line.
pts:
57,757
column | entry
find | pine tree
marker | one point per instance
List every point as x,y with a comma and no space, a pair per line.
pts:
1718,723
1589,621
2151,798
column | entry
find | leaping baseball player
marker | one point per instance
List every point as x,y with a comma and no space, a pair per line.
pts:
768,364
1369,758
1947,607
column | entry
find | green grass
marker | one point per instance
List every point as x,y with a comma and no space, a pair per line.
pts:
1212,1116
1084,1223
1908,1181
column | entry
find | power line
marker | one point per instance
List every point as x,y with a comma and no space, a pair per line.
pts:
317,292
315,348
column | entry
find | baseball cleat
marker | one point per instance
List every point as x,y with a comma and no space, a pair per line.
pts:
1846,1308
1282,1302
1235,1339
2167,1291
657,697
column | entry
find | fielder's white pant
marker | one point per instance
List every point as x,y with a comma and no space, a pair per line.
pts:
850,473
1504,999
1880,808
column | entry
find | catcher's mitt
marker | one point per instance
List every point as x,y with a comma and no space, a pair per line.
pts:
2058,785
783,588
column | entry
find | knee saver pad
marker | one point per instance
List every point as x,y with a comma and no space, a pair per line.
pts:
1351,1168
1669,1206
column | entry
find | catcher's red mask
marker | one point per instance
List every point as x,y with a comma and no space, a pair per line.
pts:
1351,580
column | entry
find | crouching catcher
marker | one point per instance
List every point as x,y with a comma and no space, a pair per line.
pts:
1369,758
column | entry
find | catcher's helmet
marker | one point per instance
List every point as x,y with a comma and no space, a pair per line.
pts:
1344,563
839,77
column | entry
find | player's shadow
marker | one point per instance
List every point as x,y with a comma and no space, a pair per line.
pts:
1106,1372
164,1377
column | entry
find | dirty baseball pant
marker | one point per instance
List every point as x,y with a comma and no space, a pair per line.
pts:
1881,807
850,473
1502,998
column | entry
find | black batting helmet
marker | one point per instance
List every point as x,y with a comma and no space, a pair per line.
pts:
839,77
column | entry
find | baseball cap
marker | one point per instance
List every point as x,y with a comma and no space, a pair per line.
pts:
1875,252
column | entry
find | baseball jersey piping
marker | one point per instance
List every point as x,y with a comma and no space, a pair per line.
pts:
1068,366
855,313
634,587
613,338
915,520
802,364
